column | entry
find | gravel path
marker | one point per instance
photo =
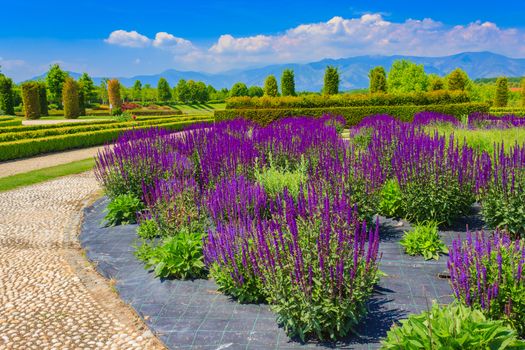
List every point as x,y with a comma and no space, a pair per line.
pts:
24,165
50,297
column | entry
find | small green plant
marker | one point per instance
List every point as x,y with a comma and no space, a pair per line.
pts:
451,327
250,291
424,240
122,210
391,200
275,179
148,229
178,256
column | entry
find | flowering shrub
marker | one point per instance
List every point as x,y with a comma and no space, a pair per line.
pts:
487,273
432,118
503,191
487,121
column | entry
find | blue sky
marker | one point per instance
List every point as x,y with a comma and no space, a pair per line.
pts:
124,38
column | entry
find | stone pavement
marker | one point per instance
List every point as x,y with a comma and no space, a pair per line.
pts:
50,298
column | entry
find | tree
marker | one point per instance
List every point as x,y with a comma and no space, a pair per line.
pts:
115,101
255,91
502,92
70,99
31,101
523,92
183,92
331,81
87,88
136,91
6,95
55,80
102,91
436,83
239,89
270,86
163,90
457,80
406,76
377,77
288,83
42,97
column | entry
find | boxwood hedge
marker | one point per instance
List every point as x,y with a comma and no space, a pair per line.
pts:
353,115
32,147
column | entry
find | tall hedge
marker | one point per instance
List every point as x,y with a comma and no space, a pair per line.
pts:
270,86
42,95
523,92
70,99
378,81
502,92
31,100
115,100
81,100
6,95
288,83
331,81
353,115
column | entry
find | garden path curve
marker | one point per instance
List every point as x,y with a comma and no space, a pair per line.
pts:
50,297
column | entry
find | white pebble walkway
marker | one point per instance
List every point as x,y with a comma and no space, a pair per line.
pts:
44,304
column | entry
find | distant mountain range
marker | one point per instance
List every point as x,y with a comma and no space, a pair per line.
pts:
354,70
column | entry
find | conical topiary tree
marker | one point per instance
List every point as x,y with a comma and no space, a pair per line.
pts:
288,83
270,86
378,83
115,101
70,99
502,92
331,81
31,100
42,96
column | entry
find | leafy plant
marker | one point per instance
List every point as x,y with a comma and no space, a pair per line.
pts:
451,327
274,179
424,240
122,210
487,273
148,229
391,199
179,256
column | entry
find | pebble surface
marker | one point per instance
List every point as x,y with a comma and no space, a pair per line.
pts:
43,302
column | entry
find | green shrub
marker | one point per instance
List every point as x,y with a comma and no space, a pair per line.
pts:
378,83
31,100
31,147
42,95
502,92
148,229
451,327
288,83
179,256
505,210
122,210
350,100
391,199
6,95
9,123
274,179
331,81
70,99
115,100
424,240
353,115
270,87
250,291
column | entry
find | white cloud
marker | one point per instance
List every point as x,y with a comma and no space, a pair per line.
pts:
129,39
338,37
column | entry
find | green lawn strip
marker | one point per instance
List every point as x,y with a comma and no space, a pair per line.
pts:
45,174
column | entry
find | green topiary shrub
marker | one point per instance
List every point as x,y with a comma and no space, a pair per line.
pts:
378,82
42,95
270,87
451,327
331,81
288,83
6,96
115,101
31,100
70,99
502,92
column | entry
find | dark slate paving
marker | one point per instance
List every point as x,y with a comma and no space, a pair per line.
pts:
194,315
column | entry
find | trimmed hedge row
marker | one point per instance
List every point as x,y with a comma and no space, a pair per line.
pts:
501,111
32,147
33,134
4,118
19,128
10,122
104,113
353,115
349,100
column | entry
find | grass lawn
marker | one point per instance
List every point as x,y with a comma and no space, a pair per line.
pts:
200,108
41,175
